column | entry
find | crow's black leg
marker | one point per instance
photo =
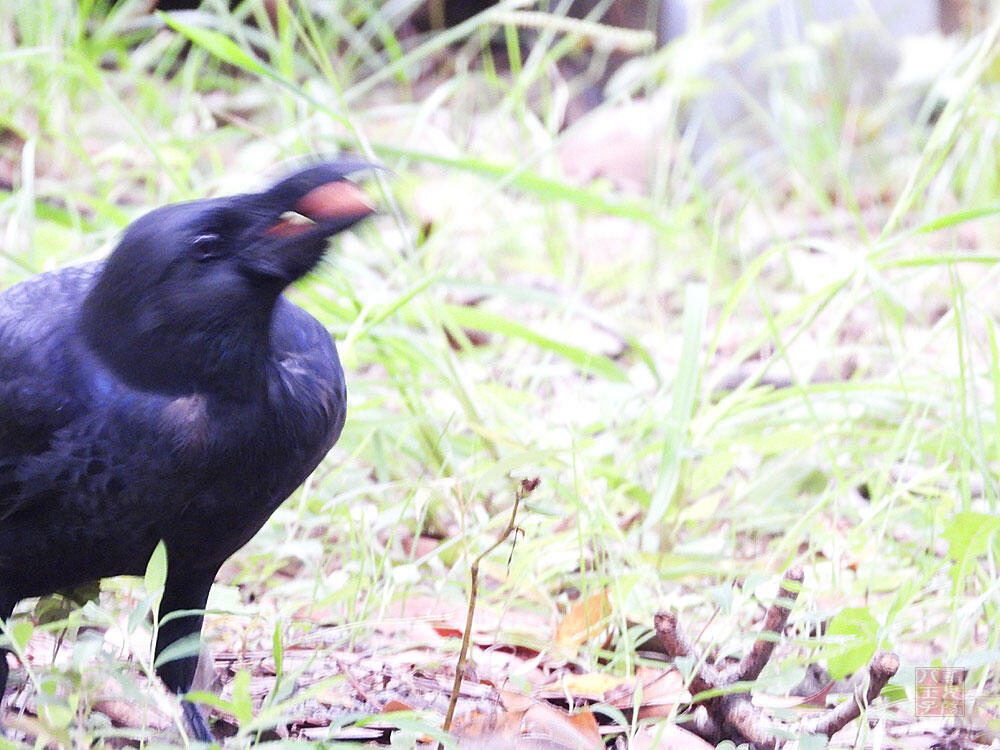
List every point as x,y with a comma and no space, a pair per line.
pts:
6,607
184,590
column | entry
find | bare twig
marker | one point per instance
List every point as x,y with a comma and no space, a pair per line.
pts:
721,713
739,713
732,716
882,667
526,488
358,687
753,663
676,643
701,723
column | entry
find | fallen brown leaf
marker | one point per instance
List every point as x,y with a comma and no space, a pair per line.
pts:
590,686
765,700
521,722
665,736
659,688
584,620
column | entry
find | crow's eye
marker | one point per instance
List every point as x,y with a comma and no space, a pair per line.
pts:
207,246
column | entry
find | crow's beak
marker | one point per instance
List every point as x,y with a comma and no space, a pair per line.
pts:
298,215
339,202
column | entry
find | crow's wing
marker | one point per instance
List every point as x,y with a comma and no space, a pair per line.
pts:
310,370
40,382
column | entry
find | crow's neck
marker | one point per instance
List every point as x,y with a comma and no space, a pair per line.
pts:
226,358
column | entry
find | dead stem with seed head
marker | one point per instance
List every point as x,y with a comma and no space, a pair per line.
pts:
526,487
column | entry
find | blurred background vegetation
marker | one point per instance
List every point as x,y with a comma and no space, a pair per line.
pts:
722,275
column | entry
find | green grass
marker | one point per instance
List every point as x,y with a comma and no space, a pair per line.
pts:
729,354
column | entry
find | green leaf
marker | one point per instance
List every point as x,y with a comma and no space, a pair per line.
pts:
464,316
278,649
156,569
969,533
676,432
968,536
208,699
242,703
189,645
959,217
56,714
859,639
140,612
20,634
218,44
53,608
545,189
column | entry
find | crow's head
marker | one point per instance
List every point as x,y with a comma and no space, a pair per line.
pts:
184,303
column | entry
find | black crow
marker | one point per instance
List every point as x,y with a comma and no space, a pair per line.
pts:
168,393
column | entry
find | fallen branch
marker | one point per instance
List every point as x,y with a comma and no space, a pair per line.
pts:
732,716
880,670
